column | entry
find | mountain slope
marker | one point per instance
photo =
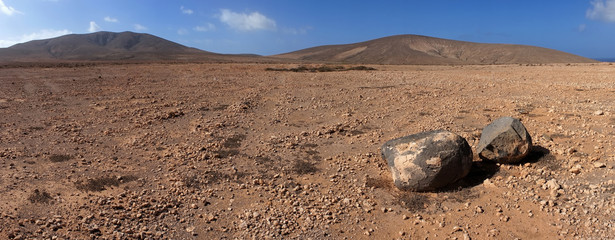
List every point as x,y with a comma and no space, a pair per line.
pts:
415,49
101,46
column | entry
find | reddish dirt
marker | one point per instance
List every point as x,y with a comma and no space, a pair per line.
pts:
220,151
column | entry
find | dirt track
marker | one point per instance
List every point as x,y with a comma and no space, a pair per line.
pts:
214,151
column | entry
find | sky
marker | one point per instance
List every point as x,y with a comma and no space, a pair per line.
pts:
266,27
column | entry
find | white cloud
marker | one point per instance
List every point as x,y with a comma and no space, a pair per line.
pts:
182,31
205,28
139,27
296,31
93,27
186,10
603,10
8,10
581,27
43,34
246,21
110,19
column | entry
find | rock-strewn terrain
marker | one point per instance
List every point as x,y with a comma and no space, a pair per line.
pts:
215,151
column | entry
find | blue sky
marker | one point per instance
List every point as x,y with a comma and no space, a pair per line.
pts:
583,27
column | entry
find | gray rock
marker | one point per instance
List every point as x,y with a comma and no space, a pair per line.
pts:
427,160
505,140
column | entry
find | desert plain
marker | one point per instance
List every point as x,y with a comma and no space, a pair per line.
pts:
235,151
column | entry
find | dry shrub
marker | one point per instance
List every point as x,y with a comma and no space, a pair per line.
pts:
304,167
40,197
59,158
100,184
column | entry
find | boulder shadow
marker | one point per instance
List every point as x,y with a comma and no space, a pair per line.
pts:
480,171
537,153
485,169
542,158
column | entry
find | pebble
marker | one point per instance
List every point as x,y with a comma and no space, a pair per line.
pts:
576,169
599,165
479,209
553,185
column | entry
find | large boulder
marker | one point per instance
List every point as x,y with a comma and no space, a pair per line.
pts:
505,140
428,160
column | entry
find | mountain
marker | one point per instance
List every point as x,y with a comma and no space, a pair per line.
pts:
401,49
415,49
103,46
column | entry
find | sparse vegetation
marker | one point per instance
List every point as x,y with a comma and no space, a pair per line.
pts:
40,197
220,107
59,158
413,201
233,141
321,69
304,167
377,183
100,184
191,181
226,153
230,146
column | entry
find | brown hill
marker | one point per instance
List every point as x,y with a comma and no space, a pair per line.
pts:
105,46
415,49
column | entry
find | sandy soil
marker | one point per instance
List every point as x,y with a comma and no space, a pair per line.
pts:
224,151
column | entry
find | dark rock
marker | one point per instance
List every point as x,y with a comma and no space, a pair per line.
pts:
427,160
505,140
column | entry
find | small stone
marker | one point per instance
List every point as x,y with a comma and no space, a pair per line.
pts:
547,138
466,236
598,113
488,183
479,209
405,217
553,185
576,169
599,165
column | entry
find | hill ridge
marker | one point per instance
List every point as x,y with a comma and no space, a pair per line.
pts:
397,49
101,46
418,49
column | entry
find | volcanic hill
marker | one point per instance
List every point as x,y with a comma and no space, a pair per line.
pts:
103,46
415,49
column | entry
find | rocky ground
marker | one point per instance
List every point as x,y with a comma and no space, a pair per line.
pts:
225,151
